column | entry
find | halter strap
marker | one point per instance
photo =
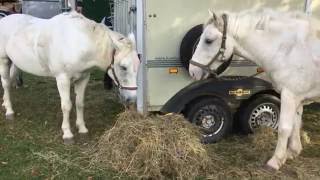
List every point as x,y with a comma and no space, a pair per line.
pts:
111,67
220,52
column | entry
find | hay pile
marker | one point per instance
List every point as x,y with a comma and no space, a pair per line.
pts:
153,147
168,147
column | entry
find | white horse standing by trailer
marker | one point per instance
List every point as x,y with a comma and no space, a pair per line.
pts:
286,45
66,47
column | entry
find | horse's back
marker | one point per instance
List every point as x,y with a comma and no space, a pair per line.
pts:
24,45
80,37
48,47
9,25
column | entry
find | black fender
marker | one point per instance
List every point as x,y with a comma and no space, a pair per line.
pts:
233,92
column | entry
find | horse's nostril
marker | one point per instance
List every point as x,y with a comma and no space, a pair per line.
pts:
192,74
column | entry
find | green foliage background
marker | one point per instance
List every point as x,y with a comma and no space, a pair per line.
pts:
96,9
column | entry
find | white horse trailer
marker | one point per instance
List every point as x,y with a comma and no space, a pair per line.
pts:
167,32
46,8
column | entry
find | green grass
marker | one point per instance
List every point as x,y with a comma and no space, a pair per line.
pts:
31,147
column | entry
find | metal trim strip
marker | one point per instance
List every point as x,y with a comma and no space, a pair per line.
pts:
177,63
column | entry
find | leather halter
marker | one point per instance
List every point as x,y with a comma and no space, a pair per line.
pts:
111,67
220,53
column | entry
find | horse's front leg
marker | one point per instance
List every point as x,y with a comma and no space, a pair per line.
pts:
5,80
289,105
295,146
63,83
79,88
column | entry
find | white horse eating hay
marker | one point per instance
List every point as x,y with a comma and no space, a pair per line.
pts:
285,45
66,47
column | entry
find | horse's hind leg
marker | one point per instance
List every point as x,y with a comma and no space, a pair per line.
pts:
19,79
5,80
289,107
63,83
79,88
16,76
295,146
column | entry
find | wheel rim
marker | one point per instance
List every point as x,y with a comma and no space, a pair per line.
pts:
266,114
210,119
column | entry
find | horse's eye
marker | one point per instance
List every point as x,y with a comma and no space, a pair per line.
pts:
209,41
123,68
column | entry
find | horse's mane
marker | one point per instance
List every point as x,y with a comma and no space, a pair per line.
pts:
97,31
264,17
263,12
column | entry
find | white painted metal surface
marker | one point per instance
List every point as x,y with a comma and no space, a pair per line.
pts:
160,25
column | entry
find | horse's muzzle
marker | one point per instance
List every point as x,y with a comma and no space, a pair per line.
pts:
196,72
128,96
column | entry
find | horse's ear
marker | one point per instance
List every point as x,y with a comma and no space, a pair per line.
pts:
115,43
212,15
116,39
210,12
132,38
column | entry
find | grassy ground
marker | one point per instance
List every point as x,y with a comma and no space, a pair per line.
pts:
31,146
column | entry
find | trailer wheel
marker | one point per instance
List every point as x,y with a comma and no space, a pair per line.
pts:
214,118
262,111
189,44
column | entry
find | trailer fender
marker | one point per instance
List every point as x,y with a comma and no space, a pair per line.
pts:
231,91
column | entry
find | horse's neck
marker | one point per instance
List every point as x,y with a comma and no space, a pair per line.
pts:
240,51
237,33
252,32
104,48
239,24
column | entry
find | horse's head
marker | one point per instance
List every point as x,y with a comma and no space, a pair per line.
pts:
214,49
124,66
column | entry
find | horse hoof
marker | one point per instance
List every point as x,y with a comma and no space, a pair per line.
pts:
68,141
269,169
10,117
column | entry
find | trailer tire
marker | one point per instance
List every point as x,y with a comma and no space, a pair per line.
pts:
214,118
189,44
262,111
